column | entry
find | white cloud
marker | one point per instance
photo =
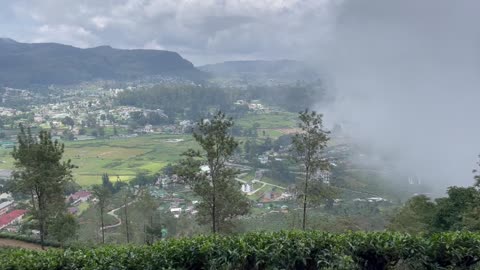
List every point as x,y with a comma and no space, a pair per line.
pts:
65,34
267,28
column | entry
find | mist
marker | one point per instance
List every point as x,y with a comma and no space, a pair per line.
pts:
405,76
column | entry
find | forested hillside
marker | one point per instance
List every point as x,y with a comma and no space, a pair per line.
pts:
23,65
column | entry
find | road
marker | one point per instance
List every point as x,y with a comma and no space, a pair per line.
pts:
258,176
119,220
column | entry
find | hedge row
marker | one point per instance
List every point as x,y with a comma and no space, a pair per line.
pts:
281,250
28,239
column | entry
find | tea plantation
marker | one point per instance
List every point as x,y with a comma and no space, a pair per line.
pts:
279,250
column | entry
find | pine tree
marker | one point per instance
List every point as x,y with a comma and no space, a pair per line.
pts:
41,174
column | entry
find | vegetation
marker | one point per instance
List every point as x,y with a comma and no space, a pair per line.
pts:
307,147
282,250
41,174
221,198
458,211
103,195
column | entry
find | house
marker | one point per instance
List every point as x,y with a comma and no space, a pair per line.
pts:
5,196
79,196
176,211
5,206
11,218
263,159
246,188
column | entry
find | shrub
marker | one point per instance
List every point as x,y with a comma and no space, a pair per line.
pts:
279,250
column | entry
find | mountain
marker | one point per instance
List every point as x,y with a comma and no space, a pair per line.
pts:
24,64
261,69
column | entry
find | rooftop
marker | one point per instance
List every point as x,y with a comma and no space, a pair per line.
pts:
9,217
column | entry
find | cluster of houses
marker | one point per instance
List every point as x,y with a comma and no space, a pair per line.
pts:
10,217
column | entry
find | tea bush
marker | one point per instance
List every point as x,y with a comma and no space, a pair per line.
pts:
279,250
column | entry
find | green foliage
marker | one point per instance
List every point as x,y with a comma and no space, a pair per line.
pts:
64,227
415,217
103,196
307,147
280,250
222,200
28,239
458,211
41,174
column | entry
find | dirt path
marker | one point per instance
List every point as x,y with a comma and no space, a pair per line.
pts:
18,244
112,213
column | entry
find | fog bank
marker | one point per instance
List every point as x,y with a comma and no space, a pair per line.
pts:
406,80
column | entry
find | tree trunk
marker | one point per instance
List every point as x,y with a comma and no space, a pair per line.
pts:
41,220
103,227
126,222
214,209
305,200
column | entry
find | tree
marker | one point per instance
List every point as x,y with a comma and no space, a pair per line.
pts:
68,135
415,217
106,183
477,176
307,147
452,209
103,195
41,174
147,203
91,121
206,172
68,121
126,196
64,227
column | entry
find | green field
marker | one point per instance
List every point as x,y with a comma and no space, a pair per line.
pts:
280,120
123,158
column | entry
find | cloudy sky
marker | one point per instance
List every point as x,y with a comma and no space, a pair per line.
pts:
203,31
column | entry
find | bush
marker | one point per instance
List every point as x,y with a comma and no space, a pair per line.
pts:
28,239
279,250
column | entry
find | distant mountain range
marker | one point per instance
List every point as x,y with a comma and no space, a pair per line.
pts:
262,69
24,65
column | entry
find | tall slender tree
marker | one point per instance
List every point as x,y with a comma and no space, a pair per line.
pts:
41,174
127,195
307,147
103,195
207,173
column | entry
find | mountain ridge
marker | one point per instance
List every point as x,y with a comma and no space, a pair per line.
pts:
27,64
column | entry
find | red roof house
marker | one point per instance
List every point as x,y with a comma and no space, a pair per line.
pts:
12,217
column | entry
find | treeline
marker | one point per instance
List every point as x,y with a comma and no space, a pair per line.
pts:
280,250
193,102
459,210
188,101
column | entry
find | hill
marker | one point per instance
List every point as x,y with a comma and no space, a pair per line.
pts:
261,69
24,64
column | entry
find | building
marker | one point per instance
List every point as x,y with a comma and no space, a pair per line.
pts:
11,218
5,196
246,188
5,206
176,211
79,196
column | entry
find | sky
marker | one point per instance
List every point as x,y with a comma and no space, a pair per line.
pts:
203,31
